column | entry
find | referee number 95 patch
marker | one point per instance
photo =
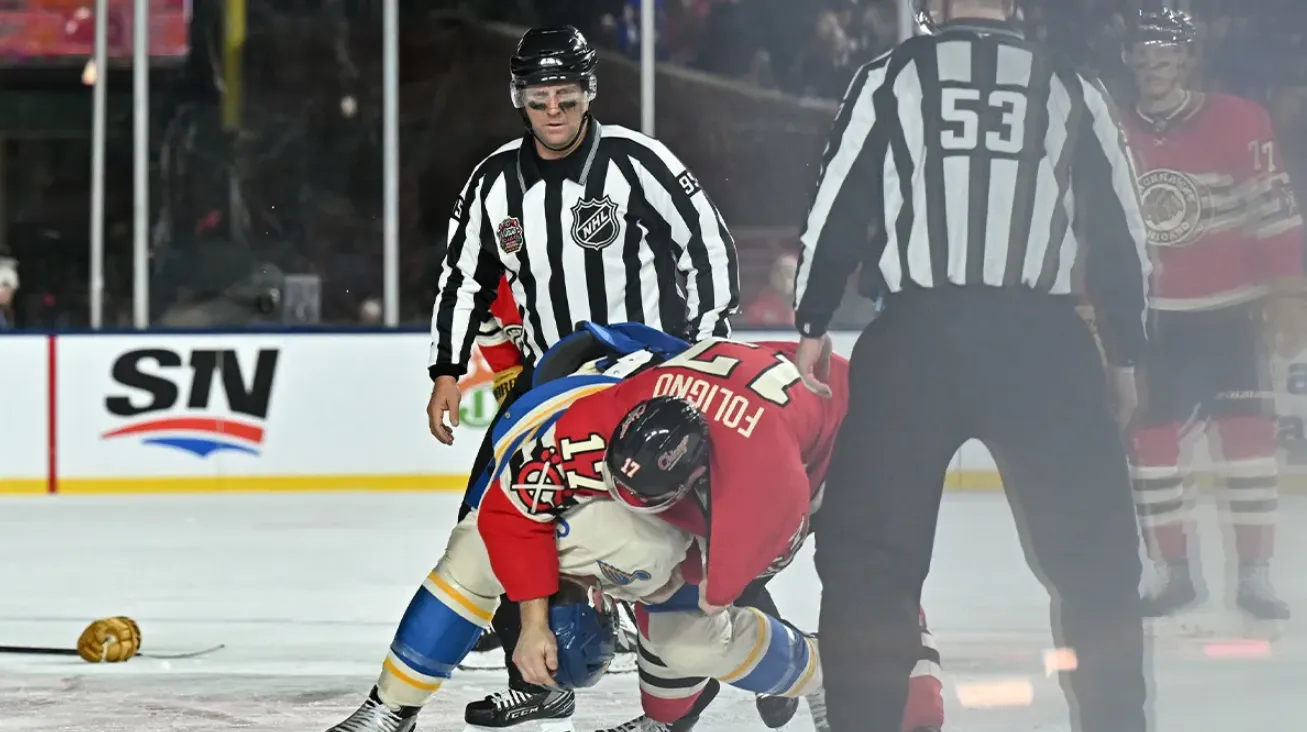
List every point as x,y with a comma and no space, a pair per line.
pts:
689,183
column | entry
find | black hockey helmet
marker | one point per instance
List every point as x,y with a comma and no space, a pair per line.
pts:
1164,27
556,55
657,455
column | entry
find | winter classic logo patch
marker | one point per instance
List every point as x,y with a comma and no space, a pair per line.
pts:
510,235
594,222
1172,207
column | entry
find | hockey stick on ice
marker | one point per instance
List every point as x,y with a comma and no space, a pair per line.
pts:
40,651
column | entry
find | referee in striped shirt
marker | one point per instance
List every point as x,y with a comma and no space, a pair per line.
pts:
590,222
986,170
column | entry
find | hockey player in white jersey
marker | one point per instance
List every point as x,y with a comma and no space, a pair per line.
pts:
628,557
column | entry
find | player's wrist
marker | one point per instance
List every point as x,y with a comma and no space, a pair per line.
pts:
534,612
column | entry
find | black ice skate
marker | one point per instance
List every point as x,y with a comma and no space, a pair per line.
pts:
776,711
1175,590
488,641
1256,597
640,724
374,716
514,706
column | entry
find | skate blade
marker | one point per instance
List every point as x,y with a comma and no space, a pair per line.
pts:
549,725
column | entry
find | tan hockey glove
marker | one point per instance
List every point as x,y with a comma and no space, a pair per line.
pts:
110,640
504,381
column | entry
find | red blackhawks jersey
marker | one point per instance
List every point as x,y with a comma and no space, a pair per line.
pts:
1222,219
770,441
500,336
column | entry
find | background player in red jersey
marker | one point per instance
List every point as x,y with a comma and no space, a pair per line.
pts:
770,441
1226,236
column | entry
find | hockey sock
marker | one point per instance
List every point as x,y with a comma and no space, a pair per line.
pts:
1249,483
782,662
925,706
438,630
1160,490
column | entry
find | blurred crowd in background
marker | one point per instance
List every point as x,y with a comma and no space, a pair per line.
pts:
273,213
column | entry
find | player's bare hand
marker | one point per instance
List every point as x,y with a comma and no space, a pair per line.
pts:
813,361
445,398
1125,395
536,654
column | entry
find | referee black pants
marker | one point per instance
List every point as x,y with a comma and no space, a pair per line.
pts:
1020,372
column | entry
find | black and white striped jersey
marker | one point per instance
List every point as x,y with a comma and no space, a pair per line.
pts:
974,157
618,231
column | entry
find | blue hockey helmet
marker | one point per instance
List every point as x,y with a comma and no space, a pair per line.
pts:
587,638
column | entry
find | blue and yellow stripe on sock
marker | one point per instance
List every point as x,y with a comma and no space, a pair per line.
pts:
441,625
782,661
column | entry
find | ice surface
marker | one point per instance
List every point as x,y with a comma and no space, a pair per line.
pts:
305,589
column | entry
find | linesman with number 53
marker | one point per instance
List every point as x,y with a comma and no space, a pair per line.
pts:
987,169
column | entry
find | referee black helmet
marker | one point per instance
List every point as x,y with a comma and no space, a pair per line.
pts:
549,57
658,455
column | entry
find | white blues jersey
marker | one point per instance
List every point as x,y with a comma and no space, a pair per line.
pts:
632,556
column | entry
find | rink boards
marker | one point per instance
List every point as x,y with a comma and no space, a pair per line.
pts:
159,413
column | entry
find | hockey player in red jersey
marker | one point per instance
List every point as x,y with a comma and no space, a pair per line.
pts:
768,440
1226,236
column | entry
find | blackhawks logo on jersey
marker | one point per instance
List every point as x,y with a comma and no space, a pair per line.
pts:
1172,205
539,484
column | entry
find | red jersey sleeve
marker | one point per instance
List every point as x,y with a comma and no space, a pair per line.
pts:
501,331
555,468
1275,219
522,549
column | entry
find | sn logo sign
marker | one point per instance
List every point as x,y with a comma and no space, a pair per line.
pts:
170,399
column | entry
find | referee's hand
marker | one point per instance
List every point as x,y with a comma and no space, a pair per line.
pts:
1125,395
813,361
445,398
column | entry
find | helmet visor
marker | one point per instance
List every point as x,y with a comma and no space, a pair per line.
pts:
569,88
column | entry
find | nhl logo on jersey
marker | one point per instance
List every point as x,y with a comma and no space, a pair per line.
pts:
510,235
594,222
1172,206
